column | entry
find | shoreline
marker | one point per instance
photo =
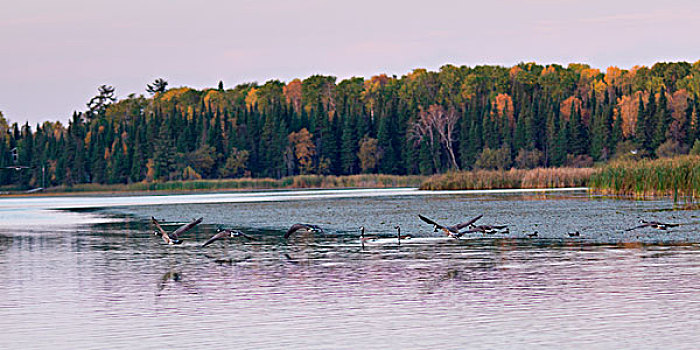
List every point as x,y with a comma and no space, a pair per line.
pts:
87,202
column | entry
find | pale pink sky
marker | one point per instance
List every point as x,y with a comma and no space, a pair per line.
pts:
54,54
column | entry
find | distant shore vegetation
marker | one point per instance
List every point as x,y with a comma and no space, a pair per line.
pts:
457,119
291,182
677,177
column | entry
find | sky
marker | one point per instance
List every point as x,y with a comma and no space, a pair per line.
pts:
54,54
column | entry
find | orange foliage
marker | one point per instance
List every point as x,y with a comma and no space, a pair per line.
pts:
292,92
589,73
548,70
514,72
628,108
679,103
504,106
565,108
613,75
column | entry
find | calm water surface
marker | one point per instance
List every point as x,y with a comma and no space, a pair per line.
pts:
100,279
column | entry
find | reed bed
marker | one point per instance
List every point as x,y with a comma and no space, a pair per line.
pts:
678,177
299,181
508,179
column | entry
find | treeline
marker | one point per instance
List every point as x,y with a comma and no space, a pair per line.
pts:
484,117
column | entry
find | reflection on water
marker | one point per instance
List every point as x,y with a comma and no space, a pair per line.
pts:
115,285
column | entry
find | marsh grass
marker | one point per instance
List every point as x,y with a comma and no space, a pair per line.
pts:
299,181
678,177
507,179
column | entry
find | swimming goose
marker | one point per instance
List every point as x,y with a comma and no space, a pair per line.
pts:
574,234
399,237
222,233
364,238
172,238
450,230
533,235
653,224
304,227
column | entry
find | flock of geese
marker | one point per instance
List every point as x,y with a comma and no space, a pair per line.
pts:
454,231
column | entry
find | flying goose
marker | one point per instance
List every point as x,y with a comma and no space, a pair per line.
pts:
450,230
222,233
304,227
653,224
490,229
172,238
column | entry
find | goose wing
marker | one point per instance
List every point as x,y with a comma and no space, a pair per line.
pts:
163,234
217,236
184,228
639,226
468,223
294,228
430,221
246,236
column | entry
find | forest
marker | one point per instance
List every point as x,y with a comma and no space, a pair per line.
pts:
424,122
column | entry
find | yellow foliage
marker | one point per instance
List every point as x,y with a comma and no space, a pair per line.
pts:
304,149
251,98
150,170
190,174
416,74
173,93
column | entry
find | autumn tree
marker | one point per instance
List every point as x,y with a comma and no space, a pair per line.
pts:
304,149
369,154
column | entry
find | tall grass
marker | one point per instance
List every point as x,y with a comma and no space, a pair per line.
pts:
678,177
506,179
299,181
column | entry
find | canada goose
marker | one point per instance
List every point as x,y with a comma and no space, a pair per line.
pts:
399,237
490,229
574,234
450,230
364,238
653,224
533,235
172,238
305,227
222,233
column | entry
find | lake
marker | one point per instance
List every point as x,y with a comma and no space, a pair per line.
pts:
86,272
